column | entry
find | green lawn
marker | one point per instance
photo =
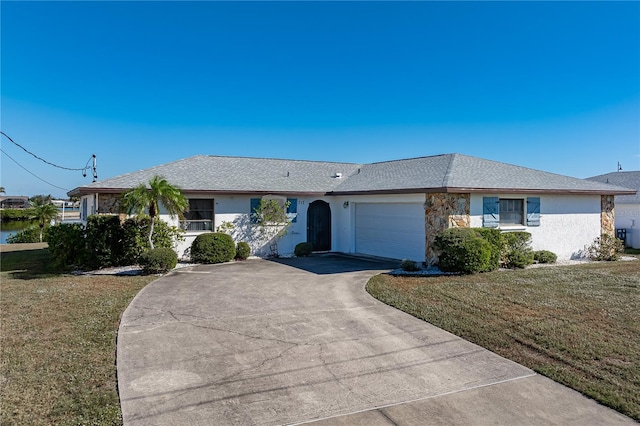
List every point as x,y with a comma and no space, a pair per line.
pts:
579,325
58,342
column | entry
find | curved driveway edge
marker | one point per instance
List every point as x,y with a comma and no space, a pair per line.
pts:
300,340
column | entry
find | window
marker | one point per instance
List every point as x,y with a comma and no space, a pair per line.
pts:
200,215
292,207
83,214
510,211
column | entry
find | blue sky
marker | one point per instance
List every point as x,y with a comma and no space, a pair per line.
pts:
549,85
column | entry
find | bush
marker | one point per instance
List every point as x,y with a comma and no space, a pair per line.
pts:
7,215
67,244
27,235
544,256
409,265
605,247
494,237
104,241
517,250
159,260
242,251
135,232
463,250
302,249
213,247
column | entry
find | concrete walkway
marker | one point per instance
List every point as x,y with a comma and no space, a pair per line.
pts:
297,341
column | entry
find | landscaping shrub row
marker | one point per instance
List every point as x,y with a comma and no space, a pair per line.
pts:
218,247
472,250
105,241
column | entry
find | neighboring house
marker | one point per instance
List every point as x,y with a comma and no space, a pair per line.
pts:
390,209
14,202
627,206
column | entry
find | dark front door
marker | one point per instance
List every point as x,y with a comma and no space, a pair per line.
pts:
319,226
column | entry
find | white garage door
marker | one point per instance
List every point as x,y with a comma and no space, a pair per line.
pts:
390,230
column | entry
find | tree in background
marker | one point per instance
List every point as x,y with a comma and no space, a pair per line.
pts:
41,198
43,212
158,192
2,191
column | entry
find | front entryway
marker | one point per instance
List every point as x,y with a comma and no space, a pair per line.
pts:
319,226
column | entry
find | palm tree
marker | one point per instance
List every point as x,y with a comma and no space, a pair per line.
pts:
43,212
158,192
2,191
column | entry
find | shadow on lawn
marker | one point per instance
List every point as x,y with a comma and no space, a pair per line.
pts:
28,264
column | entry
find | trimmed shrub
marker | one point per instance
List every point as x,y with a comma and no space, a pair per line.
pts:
243,250
605,247
67,244
409,265
494,237
517,249
214,247
544,256
302,249
159,260
135,241
104,241
463,250
27,235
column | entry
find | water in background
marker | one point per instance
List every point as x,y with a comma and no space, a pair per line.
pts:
11,228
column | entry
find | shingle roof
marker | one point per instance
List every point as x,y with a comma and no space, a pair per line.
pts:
235,174
456,171
625,179
449,172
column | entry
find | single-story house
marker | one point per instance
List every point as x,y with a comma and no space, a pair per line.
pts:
14,202
627,220
390,209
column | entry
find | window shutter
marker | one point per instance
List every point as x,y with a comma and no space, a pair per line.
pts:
292,209
255,205
533,211
490,212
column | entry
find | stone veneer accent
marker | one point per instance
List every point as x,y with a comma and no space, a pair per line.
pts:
443,211
109,203
607,215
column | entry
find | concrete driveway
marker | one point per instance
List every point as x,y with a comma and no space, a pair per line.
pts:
300,340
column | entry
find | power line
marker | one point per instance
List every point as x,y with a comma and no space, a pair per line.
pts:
86,167
34,175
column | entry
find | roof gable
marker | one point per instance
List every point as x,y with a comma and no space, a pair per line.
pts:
456,172
626,179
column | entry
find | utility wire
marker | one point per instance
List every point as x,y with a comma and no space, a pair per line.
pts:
86,167
48,183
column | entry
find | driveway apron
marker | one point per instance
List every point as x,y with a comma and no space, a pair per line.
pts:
299,340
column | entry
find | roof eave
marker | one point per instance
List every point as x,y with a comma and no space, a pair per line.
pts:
88,190
482,190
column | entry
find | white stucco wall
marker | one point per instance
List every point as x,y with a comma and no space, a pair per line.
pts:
628,217
568,223
343,229
91,201
236,209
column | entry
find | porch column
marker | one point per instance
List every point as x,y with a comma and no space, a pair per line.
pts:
607,215
443,211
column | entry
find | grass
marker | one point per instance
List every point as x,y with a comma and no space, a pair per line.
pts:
58,341
578,325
